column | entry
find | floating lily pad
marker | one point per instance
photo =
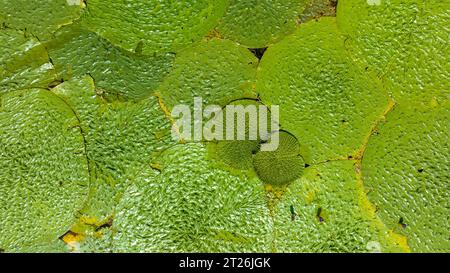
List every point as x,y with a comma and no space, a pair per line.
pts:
238,153
218,71
44,180
39,18
330,213
258,23
193,207
120,137
406,169
325,100
24,62
118,74
153,26
283,165
404,43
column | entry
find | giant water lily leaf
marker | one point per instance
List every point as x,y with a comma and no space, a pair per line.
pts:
325,101
44,179
318,8
327,211
153,26
39,18
96,242
218,71
282,165
56,246
118,74
405,43
405,167
120,137
192,206
180,209
86,152
24,62
234,153
258,23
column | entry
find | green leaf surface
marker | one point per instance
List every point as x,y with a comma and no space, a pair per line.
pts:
406,169
24,62
44,177
217,70
99,242
39,18
283,165
318,8
238,154
405,43
88,162
258,23
57,246
329,214
120,137
155,26
192,206
325,101
118,74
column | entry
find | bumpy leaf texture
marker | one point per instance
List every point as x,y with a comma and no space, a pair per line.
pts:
88,161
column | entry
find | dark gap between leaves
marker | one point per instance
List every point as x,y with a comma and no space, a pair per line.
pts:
258,52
